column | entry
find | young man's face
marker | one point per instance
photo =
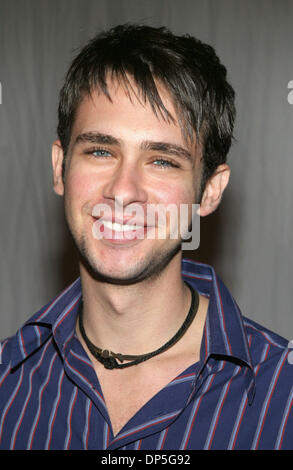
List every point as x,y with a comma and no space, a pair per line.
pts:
121,153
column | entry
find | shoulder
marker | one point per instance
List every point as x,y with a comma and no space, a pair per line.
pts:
41,325
272,358
265,344
6,347
263,336
6,354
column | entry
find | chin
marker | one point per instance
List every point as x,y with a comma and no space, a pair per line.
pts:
128,271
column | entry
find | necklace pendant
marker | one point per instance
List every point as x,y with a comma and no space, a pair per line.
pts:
105,353
109,362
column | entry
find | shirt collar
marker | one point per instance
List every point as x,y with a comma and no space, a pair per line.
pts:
58,317
224,334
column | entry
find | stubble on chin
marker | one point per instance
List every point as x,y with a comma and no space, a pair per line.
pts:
149,268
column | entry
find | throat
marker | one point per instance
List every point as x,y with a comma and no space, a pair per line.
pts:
112,360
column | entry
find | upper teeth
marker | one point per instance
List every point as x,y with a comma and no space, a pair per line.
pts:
118,227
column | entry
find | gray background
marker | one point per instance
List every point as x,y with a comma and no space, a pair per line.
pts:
248,239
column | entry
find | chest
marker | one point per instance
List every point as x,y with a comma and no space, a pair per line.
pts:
126,391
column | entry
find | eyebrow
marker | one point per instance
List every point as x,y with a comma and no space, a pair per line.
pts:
165,147
170,149
96,138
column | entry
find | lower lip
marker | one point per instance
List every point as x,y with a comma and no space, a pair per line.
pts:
105,233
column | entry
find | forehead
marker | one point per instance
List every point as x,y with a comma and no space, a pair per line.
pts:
127,113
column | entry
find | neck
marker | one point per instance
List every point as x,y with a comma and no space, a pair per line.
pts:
138,318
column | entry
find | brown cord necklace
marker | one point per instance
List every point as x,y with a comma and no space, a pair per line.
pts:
109,358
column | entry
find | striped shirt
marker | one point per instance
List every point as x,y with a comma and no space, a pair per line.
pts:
238,396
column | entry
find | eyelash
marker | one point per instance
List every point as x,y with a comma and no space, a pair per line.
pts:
92,151
162,160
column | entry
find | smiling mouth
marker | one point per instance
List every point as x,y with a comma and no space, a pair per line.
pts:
116,227
116,232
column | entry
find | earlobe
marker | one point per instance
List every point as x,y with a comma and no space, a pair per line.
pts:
214,190
57,162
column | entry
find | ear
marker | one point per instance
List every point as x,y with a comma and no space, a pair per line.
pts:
214,190
57,162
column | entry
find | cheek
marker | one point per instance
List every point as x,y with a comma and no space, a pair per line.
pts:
177,194
79,186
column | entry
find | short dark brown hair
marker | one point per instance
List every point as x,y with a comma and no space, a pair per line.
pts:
189,69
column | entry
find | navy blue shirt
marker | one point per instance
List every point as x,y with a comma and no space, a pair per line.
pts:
238,396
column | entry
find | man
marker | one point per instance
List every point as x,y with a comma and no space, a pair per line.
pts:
144,351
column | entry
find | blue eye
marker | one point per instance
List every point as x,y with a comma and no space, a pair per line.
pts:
98,153
164,163
101,153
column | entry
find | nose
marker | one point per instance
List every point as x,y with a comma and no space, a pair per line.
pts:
126,185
